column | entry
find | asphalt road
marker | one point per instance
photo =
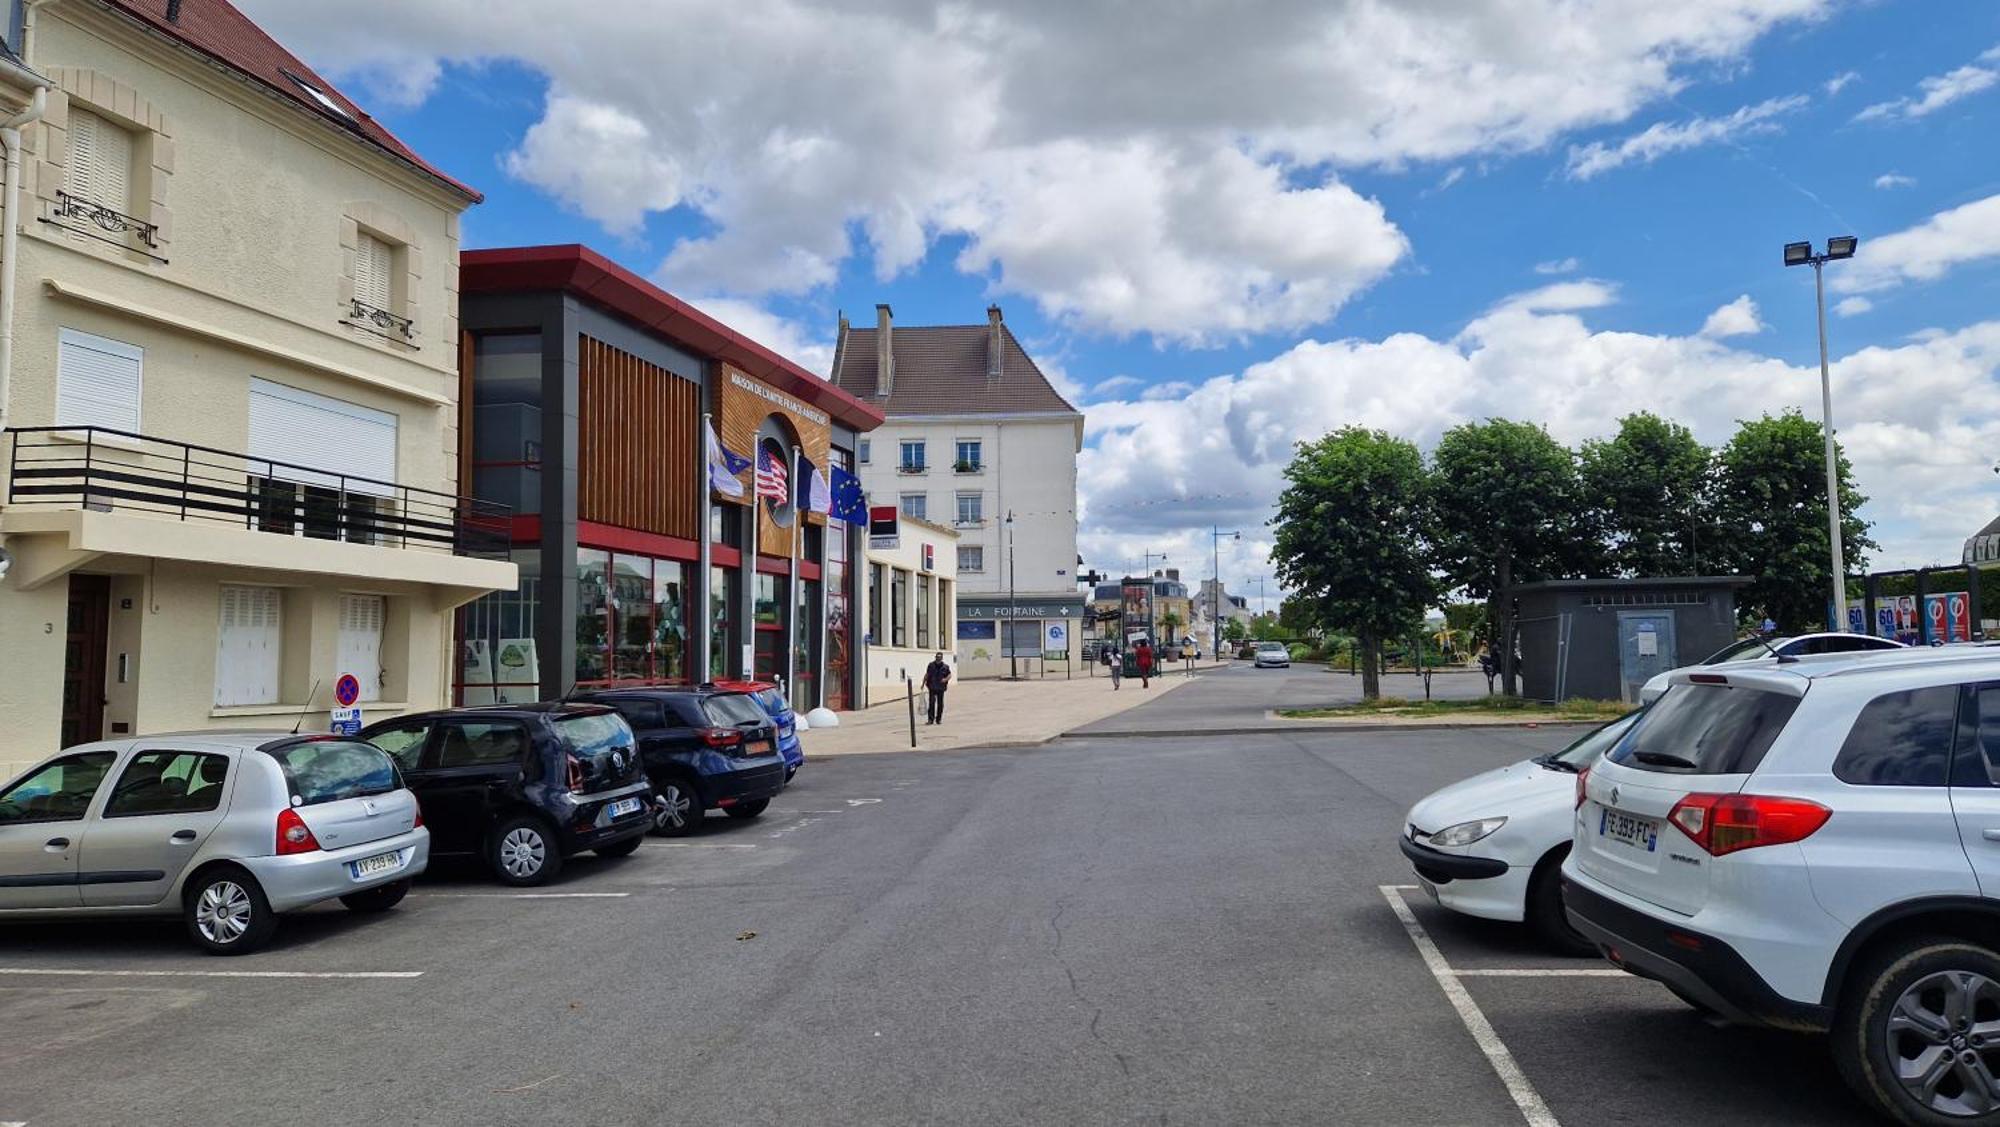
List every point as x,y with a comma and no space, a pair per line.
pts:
1236,696
1095,931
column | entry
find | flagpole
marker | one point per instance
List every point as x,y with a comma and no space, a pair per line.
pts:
704,648
748,666
792,635
825,589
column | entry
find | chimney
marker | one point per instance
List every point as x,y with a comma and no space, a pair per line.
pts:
1174,574
173,11
885,353
993,343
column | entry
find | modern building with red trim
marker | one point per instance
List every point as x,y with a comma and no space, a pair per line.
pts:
583,395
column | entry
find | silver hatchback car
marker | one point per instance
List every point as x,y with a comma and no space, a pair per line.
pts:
225,829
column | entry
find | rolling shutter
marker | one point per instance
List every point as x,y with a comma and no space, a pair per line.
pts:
360,653
97,381
247,651
322,439
100,161
373,263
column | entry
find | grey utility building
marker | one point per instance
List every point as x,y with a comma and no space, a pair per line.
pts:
1601,639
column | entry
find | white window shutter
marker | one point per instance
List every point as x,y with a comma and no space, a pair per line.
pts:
374,263
249,647
100,168
330,436
97,381
361,621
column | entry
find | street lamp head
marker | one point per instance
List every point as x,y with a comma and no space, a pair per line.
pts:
1841,246
1798,254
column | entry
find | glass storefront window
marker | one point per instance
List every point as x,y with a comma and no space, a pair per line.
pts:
507,409
770,627
721,597
877,597
670,635
804,690
632,608
593,628
923,612
899,599
497,663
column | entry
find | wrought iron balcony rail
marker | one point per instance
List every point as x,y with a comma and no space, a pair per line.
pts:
71,208
105,470
388,322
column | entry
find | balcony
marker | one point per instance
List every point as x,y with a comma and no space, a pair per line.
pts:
381,320
965,467
108,490
912,469
87,217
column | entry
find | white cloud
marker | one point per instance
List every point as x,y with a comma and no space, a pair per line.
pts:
1451,176
1561,297
1114,384
1738,318
1172,389
1597,158
1935,93
1923,253
782,335
1839,82
1921,420
1895,180
1852,306
801,133
1558,266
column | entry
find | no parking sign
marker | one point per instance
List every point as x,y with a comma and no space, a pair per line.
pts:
346,717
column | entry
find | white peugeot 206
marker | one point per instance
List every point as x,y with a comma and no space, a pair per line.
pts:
1492,845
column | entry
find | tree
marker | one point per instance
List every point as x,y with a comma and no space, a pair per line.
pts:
1649,488
1171,621
1233,631
1352,537
1509,509
1771,496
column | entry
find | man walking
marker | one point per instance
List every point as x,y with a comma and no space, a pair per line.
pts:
937,678
1142,656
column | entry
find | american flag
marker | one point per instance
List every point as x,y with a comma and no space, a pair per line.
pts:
771,481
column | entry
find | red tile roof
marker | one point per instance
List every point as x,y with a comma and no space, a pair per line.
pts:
579,270
216,29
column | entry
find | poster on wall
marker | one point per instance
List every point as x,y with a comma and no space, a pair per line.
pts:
1885,622
519,678
1055,641
476,672
1906,619
1136,601
1948,617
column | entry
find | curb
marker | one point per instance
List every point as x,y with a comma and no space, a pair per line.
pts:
1299,727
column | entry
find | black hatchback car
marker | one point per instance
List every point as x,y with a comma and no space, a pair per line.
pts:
523,786
705,750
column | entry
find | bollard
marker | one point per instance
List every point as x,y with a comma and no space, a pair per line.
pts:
910,691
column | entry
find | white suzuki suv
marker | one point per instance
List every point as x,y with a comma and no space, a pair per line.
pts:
1816,845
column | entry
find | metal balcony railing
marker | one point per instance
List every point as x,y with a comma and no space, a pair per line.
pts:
361,311
105,470
70,210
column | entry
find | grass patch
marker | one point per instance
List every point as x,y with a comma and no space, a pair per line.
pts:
1493,707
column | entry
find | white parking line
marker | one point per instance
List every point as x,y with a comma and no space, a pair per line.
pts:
1545,972
71,972
1523,1093
525,895
701,845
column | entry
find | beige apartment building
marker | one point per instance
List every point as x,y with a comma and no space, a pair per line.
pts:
230,469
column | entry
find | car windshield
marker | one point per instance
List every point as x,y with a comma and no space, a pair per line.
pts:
1747,647
732,710
1270,645
1706,730
1593,745
333,770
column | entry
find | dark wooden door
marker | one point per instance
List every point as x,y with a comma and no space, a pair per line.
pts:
83,659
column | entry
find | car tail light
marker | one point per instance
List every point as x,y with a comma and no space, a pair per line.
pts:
418,822
1725,823
721,737
575,774
294,836
1582,779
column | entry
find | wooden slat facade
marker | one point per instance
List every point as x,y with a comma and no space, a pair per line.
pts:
638,436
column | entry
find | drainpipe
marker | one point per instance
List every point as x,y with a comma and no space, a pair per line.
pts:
28,8
10,240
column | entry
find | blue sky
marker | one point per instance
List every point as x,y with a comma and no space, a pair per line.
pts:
1332,216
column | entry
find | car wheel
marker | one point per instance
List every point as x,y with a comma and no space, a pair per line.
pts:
621,848
1545,909
378,899
523,852
748,810
680,811
226,912
1918,1035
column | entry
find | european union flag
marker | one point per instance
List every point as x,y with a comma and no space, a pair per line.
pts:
849,503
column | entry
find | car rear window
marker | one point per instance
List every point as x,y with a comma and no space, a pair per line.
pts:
332,770
772,700
728,710
1706,730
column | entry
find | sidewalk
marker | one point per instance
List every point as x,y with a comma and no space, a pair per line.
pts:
988,713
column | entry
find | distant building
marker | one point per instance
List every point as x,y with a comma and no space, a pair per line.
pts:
910,608
975,432
1173,611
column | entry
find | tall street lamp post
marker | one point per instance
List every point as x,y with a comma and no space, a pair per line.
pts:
1215,535
1801,254
1009,641
1152,594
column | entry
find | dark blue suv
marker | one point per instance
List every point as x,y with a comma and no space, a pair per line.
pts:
703,749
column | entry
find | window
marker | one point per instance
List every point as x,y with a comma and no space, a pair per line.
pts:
319,97
913,456
100,161
864,451
916,505
968,456
923,612
1978,759
335,770
403,744
601,743
323,441
97,381
1713,729
168,782
247,651
971,558
1021,638
1901,740
471,743
734,710
971,508
593,597
59,792
642,715
374,272
361,621
899,602
876,597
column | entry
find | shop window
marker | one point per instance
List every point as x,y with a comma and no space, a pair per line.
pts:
923,612
722,595
670,634
593,627
876,598
899,608
632,609
497,661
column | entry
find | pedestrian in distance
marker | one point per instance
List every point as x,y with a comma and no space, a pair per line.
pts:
1115,661
1142,657
937,678
1486,667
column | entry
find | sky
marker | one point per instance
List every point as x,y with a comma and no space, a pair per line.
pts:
1226,227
